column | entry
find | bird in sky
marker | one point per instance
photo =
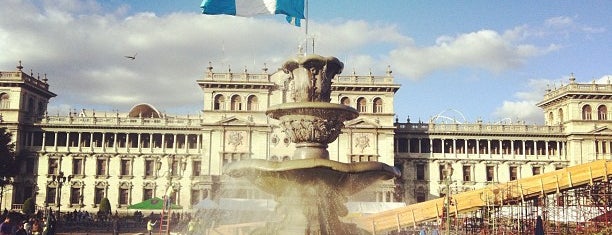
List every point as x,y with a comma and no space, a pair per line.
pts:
131,57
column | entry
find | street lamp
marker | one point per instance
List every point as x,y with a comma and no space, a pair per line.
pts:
60,179
448,172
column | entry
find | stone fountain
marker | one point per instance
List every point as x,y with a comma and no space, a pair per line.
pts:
310,190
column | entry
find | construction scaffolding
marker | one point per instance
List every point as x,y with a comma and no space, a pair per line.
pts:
575,200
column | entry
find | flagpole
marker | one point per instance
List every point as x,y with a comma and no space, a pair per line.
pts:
306,30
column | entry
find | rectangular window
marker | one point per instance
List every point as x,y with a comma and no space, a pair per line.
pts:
420,172
196,168
174,168
232,157
124,195
98,195
467,173
51,193
195,196
53,166
30,166
536,170
149,167
147,194
77,166
490,173
513,173
125,167
75,196
101,167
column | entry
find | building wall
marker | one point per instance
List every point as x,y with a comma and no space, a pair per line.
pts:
194,149
94,150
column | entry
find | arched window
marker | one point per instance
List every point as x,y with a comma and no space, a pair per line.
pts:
345,101
4,101
219,102
560,116
41,108
551,118
252,104
378,105
586,112
361,105
602,112
31,105
236,102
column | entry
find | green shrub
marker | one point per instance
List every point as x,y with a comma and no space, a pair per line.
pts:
105,207
29,206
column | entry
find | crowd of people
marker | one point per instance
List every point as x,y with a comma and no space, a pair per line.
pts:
15,223
44,222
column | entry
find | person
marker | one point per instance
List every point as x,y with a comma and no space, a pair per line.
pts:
36,228
150,225
6,228
539,228
115,226
27,226
191,227
21,230
423,231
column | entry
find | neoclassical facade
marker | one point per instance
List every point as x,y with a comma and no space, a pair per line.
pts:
577,130
74,161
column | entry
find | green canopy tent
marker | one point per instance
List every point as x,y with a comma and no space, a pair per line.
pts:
152,204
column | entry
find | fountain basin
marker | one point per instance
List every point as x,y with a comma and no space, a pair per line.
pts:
310,192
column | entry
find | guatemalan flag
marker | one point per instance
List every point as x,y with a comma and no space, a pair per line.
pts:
293,9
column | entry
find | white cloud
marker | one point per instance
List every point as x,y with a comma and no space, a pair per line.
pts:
82,50
82,47
605,79
559,22
524,108
484,49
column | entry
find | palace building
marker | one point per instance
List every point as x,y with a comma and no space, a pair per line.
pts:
76,160
576,131
73,161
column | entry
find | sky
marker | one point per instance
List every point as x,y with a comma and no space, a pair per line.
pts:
460,60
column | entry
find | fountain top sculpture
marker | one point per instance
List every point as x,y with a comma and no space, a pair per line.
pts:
312,75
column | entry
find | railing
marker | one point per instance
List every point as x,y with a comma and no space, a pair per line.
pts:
340,80
19,207
121,121
487,128
237,77
579,87
21,76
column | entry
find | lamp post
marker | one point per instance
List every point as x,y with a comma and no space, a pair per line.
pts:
60,179
448,172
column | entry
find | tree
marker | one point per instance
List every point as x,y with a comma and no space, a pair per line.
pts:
105,208
28,206
9,164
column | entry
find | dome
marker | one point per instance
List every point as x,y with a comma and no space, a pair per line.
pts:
145,111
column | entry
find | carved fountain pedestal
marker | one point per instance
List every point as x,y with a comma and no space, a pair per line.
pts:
310,189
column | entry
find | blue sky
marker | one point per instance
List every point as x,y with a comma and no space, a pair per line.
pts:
488,60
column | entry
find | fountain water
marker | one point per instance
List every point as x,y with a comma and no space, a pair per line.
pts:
310,189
